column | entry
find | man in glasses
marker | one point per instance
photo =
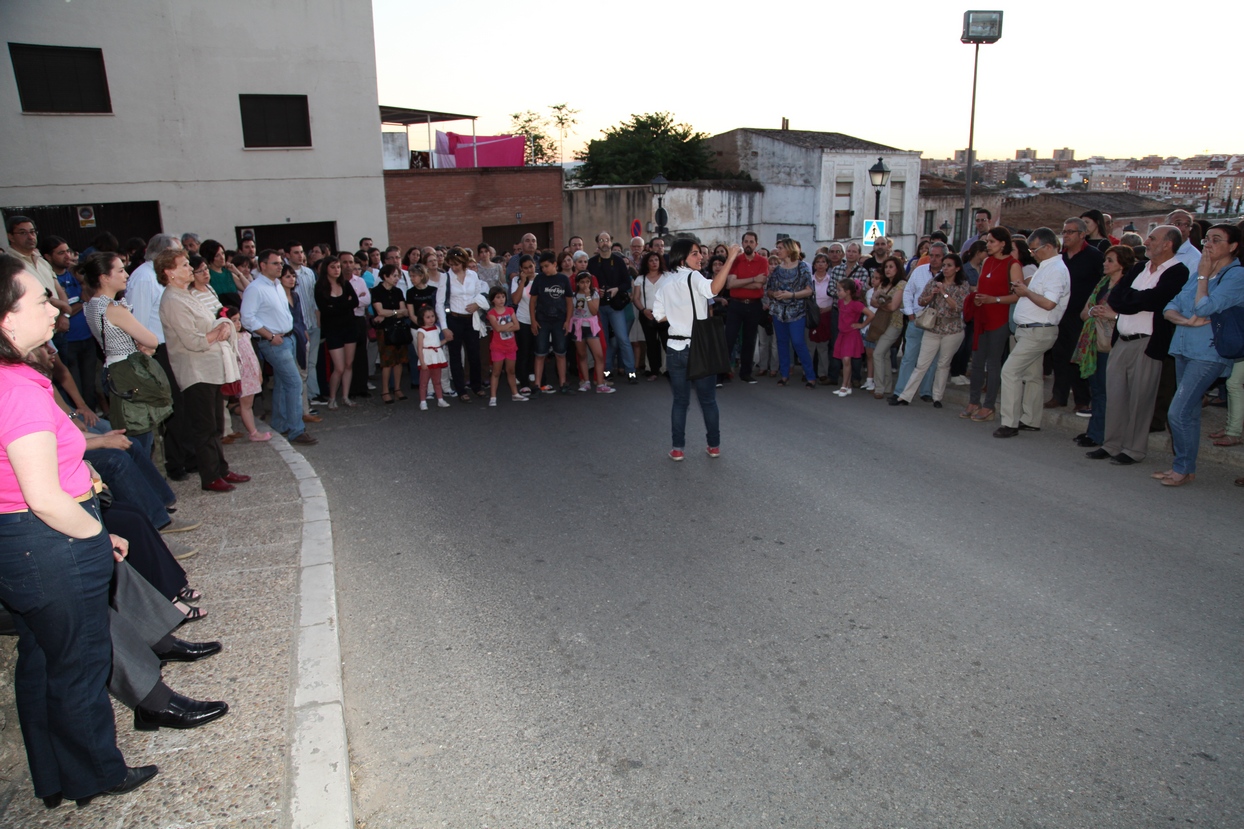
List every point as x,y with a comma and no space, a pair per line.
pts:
24,243
1084,264
1187,252
1042,303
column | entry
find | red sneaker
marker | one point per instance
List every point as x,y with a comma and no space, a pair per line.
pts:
676,455
714,451
235,478
219,485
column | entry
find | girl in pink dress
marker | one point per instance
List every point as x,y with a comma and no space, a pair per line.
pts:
853,317
251,377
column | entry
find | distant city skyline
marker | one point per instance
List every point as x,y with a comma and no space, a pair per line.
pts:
1052,81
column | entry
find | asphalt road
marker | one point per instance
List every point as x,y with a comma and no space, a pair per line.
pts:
857,616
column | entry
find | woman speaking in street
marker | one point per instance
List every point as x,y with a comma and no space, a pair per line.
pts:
682,299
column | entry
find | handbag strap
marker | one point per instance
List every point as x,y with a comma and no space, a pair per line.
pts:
694,316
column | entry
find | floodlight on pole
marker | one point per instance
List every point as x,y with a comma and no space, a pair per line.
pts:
978,27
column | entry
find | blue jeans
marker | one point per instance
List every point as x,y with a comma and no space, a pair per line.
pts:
1096,430
286,387
1183,417
133,479
313,356
59,600
792,334
705,390
617,335
911,354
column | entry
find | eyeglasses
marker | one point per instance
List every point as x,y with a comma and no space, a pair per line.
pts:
1072,232
1214,240
198,271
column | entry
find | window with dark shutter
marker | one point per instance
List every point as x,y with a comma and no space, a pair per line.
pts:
275,121
60,78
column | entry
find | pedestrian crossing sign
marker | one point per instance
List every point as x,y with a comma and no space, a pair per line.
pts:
873,228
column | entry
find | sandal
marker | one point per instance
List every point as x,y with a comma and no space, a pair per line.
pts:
1221,433
189,594
972,409
399,395
980,417
1228,440
1173,481
387,398
193,614
781,381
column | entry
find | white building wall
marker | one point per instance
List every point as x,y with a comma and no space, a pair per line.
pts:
175,71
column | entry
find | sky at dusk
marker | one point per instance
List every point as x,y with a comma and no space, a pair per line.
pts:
1101,78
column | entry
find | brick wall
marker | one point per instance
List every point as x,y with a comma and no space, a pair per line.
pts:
432,207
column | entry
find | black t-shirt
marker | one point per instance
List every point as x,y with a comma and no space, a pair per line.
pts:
610,273
390,299
416,298
550,293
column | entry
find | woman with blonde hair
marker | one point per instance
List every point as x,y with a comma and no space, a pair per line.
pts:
788,286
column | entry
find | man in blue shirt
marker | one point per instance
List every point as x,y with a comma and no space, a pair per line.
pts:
74,343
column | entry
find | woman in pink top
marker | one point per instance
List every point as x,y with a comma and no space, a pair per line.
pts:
56,562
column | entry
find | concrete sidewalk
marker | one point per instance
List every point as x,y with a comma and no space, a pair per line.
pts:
265,567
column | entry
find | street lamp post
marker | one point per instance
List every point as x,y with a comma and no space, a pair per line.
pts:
978,27
879,174
660,187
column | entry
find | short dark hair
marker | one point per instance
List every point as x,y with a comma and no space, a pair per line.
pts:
265,253
208,249
11,223
1004,236
388,269
939,235
679,251
545,256
492,293
960,276
1125,256
290,245
984,210
364,239
11,293
752,234
105,241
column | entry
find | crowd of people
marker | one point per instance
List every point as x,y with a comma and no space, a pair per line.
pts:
123,369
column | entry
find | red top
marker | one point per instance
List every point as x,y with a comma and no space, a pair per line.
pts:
743,269
995,280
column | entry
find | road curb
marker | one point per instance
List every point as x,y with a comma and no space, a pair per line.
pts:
320,794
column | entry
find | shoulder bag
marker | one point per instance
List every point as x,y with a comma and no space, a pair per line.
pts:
880,321
709,353
1228,325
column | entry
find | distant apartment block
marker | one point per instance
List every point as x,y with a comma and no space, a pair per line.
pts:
1029,154
1065,154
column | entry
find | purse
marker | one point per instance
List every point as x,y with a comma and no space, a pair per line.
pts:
1228,326
880,322
233,389
397,332
927,318
709,352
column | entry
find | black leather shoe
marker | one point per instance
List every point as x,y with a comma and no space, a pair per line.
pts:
181,712
53,800
1005,432
1086,441
1123,460
937,404
1097,455
188,651
1024,427
135,776
1080,436
927,398
896,401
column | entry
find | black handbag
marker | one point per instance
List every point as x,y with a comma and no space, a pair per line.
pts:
619,301
709,353
397,332
1228,327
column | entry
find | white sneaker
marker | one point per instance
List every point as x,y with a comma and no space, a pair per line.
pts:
869,385
845,393
960,380
423,405
519,398
603,389
371,386
442,404
492,402
449,392
586,385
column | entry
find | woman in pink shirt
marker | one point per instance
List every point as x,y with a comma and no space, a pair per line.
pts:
56,562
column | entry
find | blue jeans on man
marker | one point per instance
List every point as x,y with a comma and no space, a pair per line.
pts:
286,387
705,391
911,353
613,328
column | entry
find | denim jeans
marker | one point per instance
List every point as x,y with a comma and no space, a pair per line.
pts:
911,354
286,387
133,479
791,334
313,356
1096,430
616,335
1183,417
705,391
59,601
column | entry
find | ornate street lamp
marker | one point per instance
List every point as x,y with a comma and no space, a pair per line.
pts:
660,187
879,174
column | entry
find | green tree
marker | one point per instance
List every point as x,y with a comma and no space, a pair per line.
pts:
535,127
635,151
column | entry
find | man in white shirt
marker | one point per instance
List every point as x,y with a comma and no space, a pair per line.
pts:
916,283
1187,252
267,315
296,255
1042,303
683,298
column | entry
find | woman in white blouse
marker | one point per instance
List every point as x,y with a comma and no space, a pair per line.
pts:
462,292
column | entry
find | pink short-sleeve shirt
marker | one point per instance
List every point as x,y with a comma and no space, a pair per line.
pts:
26,407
